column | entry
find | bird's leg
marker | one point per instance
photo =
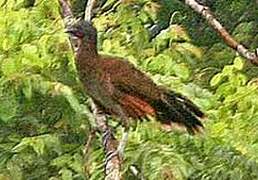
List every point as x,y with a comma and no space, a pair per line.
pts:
125,132
122,142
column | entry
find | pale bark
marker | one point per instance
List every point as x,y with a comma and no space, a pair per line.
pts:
227,38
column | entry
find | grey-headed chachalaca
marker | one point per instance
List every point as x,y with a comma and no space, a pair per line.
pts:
121,90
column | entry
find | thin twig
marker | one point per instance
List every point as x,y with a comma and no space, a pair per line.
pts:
87,146
88,10
136,172
66,11
227,38
67,15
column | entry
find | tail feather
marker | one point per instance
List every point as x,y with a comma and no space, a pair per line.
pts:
175,108
190,105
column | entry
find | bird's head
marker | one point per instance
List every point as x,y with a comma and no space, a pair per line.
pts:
82,33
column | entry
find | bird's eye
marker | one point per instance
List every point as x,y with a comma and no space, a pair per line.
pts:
75,43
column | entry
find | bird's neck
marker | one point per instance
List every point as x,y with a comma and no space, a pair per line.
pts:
87,52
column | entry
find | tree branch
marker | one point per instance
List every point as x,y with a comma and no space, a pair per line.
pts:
66,11
110,144
227,38
88,10
112,163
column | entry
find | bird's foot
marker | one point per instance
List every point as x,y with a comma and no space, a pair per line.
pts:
122,144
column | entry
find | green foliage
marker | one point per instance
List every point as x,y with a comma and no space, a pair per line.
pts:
44,117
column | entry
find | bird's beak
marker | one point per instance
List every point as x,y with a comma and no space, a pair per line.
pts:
73,38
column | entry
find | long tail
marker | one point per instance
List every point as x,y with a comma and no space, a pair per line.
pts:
176,108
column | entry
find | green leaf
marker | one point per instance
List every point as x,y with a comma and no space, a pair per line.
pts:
10,65
188,47
66,174
77,164
107,45
39,144
5,45
14,169
8,102
182,71
228,70
62,161
239,63
36,143
216,79
27,89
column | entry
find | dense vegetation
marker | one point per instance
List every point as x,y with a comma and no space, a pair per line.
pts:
43,121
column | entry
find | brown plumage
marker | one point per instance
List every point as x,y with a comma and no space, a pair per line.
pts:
122,90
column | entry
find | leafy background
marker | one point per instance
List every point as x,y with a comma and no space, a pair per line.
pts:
43,109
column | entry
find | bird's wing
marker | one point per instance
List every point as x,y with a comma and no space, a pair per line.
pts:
141,97
101,90
126,78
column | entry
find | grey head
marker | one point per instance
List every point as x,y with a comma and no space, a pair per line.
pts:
82,33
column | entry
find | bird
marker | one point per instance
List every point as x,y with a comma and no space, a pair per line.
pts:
123,91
